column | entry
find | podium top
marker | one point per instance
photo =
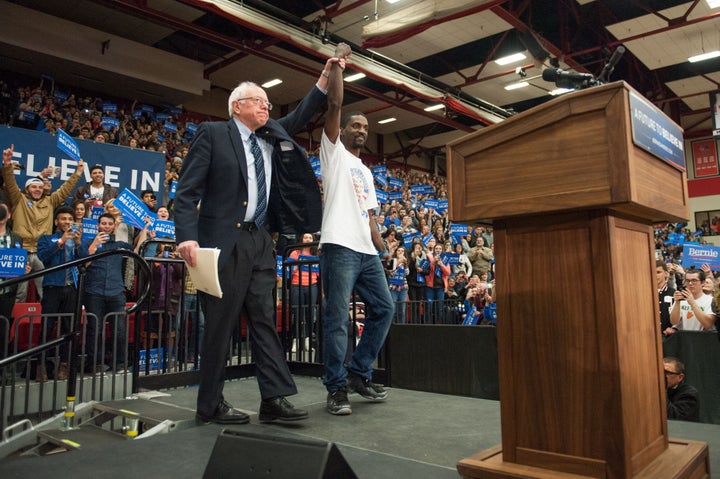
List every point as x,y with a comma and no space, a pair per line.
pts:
604,147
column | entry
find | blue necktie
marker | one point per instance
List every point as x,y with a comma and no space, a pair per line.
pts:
260,177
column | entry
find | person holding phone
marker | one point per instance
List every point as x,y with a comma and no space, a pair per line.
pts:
692,310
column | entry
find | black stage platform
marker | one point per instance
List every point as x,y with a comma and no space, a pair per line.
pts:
413,435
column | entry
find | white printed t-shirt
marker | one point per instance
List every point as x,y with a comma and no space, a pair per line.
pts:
349,193
688,321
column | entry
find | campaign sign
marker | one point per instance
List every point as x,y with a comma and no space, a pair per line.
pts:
398,277
109,107
133,210
147,108
67,145
424,264
89,229
426,239
109,122
417,189
315,268
698,255
315,164
171,127
450,258
175,111
162,116
96,211
160,137
163,228
442,206
675,238
124,167
12,262
382,196
173,189
191,127
655,132
408,239
396,183
395,196
136,114
155,357
278,265
431,204
458,229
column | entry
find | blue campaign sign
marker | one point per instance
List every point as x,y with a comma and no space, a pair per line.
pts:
163,228
315,164
171,127
315,268
191,127
96,211
147,108
379,172
697,255
173,189
408,239
382,196
67,145
675,238
124,167
396,183
162,116
137,114
655,132
417,189
395,196
424,264
431,203
109,107
133,210
458,229
398,277
278,265
442,206
160,137
175,111
428,190
426,239
450,258
89,229
109,122
12,262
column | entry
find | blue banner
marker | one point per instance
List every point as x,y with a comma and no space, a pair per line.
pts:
315,164
191,127
67,145
408,239
426,239
398,277
176,111
382,196
96,211
163,228
450,258
278,265
431,203
109,122
458,229
161,116
173,189
171,127
160,137
395,196
396,183
675,238
424,264
655,132
89,229
133,210
417,189
12,262
314,268
442,206
124,167
147,108
379,172
698,255
137,114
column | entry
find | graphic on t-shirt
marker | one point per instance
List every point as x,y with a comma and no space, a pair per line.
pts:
361,189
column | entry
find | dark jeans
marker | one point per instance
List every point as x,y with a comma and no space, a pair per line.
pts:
58,300
114,308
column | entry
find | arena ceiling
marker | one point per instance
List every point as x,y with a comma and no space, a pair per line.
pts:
415,54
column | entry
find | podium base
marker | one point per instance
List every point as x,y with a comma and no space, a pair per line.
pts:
683,459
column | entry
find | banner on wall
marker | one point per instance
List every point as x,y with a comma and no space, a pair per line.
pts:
124,167
705,158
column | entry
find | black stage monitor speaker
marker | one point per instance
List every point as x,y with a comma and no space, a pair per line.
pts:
248,455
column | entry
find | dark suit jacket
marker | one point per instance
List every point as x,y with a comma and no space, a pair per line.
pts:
215,173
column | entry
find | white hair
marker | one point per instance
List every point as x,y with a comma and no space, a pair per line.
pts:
240,91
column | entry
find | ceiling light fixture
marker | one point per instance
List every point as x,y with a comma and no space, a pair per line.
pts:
387,120
704,56
271,83
439,106
515,57
392,1
713,3
354,77
515,86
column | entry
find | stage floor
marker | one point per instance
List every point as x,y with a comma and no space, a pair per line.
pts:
412,434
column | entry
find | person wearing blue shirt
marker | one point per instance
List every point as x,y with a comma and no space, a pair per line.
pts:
60,288
104,293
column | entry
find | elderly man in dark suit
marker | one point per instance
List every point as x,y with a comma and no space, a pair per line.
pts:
249,177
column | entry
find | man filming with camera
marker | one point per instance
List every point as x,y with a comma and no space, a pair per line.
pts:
104,294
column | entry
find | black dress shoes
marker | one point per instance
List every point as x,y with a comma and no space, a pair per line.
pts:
225,414
280,409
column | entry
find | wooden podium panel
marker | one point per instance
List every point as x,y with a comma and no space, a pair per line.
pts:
572,199
573,152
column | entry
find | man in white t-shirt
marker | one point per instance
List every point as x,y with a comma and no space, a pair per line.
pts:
349,259
693,308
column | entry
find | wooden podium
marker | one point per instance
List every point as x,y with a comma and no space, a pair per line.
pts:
572,199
